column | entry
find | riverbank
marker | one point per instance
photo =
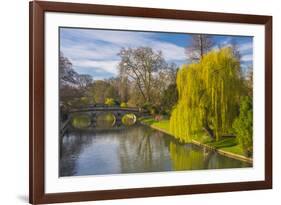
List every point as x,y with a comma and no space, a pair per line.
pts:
227,147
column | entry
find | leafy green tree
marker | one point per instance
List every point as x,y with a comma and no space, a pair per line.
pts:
209,95
102,89
243,125
111,92
97,91
249,80
169,98
84,100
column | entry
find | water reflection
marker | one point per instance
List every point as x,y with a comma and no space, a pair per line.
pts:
132,149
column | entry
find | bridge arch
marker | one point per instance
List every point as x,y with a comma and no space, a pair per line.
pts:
80,120
94,112
105,117
129,119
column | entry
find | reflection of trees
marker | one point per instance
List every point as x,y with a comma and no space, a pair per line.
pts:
184,157
141,150
192,157
145,148
133,149
218,161
70,147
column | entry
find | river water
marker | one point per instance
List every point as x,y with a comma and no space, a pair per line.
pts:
133,149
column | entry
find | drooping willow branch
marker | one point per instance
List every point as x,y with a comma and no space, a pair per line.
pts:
209,94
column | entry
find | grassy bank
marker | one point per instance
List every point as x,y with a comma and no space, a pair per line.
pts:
227,146
162,124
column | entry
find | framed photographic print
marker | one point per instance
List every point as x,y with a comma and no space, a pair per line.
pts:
139,102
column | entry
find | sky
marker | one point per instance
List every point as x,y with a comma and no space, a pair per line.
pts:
94,51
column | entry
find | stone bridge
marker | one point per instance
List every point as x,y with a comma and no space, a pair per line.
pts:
94,111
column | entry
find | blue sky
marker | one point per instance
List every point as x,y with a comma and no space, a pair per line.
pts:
94,52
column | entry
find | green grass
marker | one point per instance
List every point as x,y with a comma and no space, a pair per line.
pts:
228,144
236,149
162,124
202,138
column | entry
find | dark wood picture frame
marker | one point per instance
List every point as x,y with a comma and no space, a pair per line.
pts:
37,193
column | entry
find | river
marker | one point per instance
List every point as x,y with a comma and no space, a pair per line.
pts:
133,149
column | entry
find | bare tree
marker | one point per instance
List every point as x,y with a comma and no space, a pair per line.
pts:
139,66
124,89
235,49
67,74
200,45
69,77
84,80
72,85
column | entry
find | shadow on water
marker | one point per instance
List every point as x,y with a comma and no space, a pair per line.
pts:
133,149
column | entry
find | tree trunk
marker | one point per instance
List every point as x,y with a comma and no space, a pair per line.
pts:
209,131
206,126
201,45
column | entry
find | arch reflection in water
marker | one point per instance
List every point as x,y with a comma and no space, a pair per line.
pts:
103,120
133,149
129,119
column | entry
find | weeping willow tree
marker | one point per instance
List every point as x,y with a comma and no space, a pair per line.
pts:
209,93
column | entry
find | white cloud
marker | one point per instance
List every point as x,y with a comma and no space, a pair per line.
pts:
245,47
115,40
86,51
170,51
98,49
215,48
99,66
123,38
226,42
130,39
247,57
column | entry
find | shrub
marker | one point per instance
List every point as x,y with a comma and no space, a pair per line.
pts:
123,105
84,100
243,125
109,101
